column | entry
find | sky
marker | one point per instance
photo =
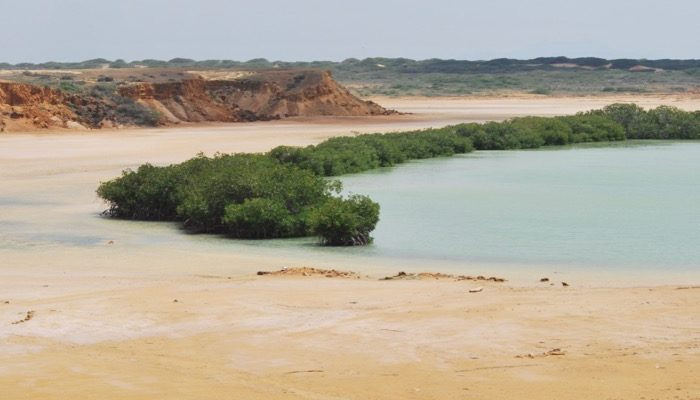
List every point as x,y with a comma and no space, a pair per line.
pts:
306,30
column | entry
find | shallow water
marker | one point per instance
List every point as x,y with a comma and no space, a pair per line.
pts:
623,208
620,206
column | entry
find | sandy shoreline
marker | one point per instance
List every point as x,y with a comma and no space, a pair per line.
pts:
318,338
104,323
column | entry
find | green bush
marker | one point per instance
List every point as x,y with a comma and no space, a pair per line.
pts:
241,195
501,136
345,222
663,122
593,128
534,132
346,155
553,131
68,86
149,193
258,218
232,179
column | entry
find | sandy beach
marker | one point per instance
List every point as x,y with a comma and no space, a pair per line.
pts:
118,319
203,337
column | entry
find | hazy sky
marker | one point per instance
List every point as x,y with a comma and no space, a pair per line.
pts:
71,30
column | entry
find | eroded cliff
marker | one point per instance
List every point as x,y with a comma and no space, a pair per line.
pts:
190,98
24,105
261,96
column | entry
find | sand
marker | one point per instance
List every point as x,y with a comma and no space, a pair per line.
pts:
210,337
117,321
482,108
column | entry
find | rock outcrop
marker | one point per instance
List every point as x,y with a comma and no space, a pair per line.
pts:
251,97
23,105
261,96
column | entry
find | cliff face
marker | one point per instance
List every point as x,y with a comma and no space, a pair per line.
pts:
263,96
23,105
18,94
251,97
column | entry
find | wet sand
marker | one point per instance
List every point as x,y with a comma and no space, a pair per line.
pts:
104,322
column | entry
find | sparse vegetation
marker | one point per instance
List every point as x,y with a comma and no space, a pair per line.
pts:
130,112
435,77
69,86
101,102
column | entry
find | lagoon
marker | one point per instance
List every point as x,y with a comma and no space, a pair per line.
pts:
623,205
621,209
629,208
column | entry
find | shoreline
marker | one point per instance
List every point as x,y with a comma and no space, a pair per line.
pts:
223,257
178,317
419,111
65,168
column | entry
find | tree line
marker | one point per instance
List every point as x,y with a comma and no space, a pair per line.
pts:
286,191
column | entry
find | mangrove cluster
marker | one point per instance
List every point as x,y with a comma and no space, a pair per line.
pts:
286,192
243,196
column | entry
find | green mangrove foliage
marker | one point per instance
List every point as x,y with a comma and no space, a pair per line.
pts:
240,195
282,193
347,155
612,123
663,122
534,132
345,222
285,193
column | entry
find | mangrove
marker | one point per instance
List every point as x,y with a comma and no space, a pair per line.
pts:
287,191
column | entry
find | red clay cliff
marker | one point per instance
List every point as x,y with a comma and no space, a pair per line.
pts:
252,96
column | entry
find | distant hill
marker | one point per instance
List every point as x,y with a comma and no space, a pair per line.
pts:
499,65
436,77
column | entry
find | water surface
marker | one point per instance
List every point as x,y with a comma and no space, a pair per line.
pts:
633,205
631,209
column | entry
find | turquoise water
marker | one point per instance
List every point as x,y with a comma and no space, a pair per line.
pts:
616,208
632,207
623,205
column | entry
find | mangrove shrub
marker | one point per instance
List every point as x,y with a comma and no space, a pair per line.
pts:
345,222
285,193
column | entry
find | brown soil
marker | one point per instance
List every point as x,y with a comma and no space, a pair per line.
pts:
184,97
25,105
261,96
